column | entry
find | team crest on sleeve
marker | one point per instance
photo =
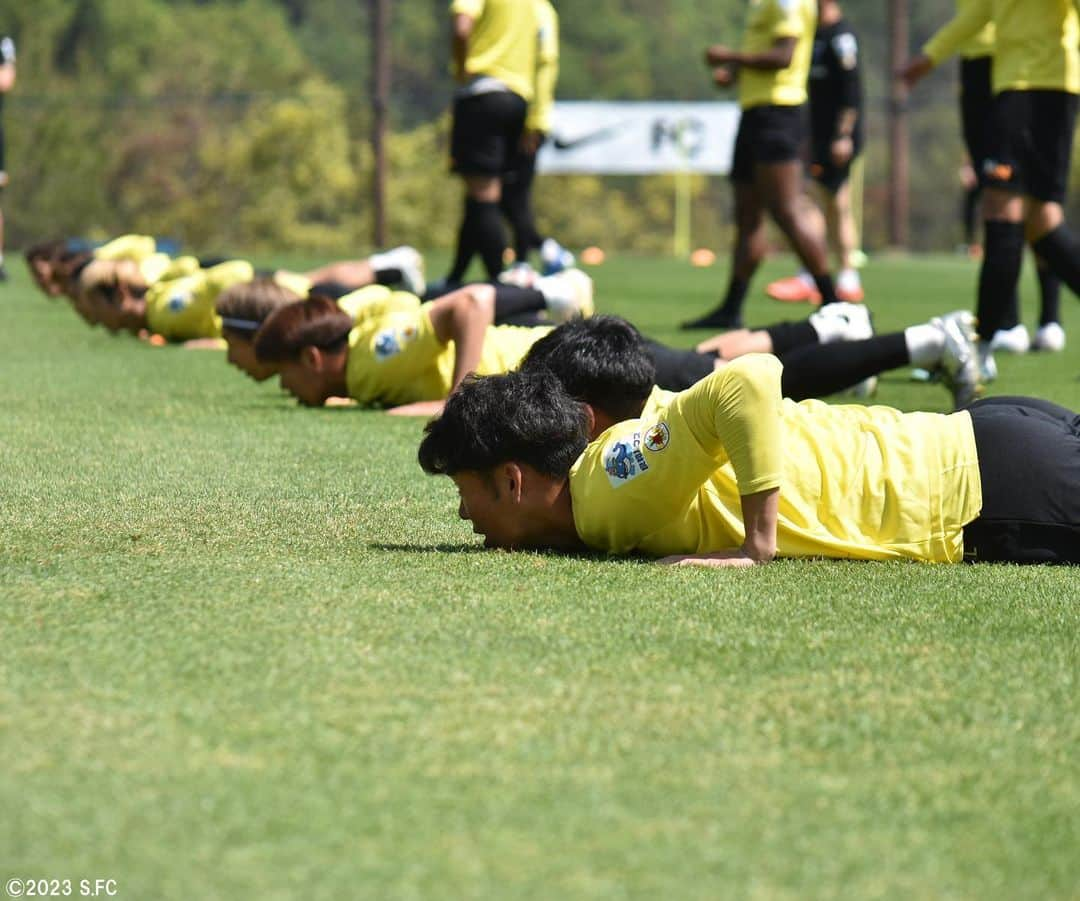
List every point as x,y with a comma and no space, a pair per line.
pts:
178,301
623,460
390,341
657,438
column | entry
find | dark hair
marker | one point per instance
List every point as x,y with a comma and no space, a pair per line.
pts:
526,417
315,322
48,251
601,361
244,307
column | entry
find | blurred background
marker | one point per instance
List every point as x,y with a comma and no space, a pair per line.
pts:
246,124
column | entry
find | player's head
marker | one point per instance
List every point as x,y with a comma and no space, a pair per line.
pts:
601,361
508,442
308,343
243,309
113,293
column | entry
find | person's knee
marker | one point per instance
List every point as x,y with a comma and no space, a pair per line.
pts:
1041,218
484,188
1001,205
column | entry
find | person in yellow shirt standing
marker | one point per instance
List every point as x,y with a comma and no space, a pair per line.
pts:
517,186
1036,81
771,69
728,473
976,117
493,54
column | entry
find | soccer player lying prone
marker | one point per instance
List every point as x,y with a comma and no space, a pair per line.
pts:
728,473
155,294
410,356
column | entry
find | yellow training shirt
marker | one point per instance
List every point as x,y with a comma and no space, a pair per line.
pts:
858,482
767,22
127,247
395,358
376,300
183,308
547,68
503,42
1036,42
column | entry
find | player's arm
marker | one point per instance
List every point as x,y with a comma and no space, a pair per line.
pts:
846,51
7,65
538,121
463,16
736,411
462,317
778,56
759,511
962,27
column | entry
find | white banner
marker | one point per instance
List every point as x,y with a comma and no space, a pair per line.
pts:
614,138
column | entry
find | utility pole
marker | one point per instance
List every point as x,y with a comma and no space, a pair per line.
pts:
380,104
899,150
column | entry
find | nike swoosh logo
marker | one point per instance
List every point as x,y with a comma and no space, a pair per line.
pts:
590,137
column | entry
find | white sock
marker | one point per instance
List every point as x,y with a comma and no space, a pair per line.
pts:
849,277
556,291
925,344
388,259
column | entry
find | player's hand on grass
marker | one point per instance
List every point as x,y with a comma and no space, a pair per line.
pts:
916,70
204,344
339,402
720,558
426,408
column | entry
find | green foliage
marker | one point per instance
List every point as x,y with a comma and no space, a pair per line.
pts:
142,114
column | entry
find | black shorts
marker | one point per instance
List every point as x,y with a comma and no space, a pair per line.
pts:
1029,143
825,172
487,133
767,134
678,369
1029,463
976,107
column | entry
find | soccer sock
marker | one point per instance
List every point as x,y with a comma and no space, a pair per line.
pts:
925,344
518,211
736,295
512,302
466,246
999,275
387,276
490,237
786,336
818,370
1061,252
826,289
1050,294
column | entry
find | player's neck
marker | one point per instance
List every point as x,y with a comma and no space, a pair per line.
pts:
554,520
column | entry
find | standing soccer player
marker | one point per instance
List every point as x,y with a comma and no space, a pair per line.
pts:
7,82
772,69
518,181
1036,80
494,53
976,117
836,140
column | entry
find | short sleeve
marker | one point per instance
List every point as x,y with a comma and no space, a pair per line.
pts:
471,8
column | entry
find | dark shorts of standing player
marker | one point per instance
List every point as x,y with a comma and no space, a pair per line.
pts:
767,134
1029,143
486,134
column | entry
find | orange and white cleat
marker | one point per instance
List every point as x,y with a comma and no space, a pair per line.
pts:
796,289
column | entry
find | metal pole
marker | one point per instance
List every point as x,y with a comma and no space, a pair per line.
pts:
380,103
899,160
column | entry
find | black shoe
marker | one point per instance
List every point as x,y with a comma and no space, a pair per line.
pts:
717,319
3,273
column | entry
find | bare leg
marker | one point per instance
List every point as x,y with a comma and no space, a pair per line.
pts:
351,273
780,185
737,343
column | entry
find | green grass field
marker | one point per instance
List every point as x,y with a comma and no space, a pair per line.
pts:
250,652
